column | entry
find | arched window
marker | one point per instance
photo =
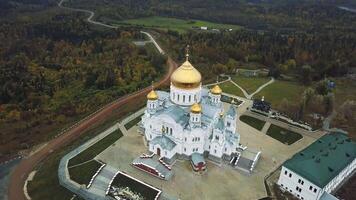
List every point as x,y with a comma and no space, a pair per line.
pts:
166,129
183,98
178,97
171,130
190,97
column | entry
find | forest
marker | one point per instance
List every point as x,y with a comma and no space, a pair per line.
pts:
55,70
282,15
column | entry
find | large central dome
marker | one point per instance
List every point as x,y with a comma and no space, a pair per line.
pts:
186,76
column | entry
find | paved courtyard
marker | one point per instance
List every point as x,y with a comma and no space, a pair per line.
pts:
220,182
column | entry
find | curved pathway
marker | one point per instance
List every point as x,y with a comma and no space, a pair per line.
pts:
26,166
249,96
261,87
91,15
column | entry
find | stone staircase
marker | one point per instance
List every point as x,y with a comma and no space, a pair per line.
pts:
102,180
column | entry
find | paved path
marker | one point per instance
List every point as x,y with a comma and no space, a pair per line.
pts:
154,42
102,181
314,134
266,127
219,82
261,87
249,96
241,88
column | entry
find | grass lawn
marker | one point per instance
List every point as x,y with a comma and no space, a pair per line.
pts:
82,174
250,84
95,149
255,123
279,90
230,88
283,135
179,25
344,90
133,122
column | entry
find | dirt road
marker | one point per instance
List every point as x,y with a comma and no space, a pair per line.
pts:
21,172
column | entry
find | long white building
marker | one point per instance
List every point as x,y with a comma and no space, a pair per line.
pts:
189,121
319,169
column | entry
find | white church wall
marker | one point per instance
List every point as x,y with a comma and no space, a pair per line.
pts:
185,97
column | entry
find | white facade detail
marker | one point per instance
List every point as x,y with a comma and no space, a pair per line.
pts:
189,120
185,97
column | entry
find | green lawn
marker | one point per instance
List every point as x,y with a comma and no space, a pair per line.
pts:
255,123
179,25
279,90
344,90
95,149
82,174
230,88
250,84
283,135
133,122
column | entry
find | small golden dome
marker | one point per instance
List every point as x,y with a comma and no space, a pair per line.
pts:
186,76
216,90
152,95
195,108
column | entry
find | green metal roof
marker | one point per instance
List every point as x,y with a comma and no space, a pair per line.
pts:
197,158
321,161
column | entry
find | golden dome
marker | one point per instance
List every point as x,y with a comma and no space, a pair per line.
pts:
216,90
186,76
152,95
195,108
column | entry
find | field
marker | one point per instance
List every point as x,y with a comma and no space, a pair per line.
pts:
83,173
230,88
255,123
280,90
179,25
283,135
95,149
250,84
133,122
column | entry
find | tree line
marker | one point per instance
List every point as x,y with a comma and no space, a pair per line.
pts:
54,70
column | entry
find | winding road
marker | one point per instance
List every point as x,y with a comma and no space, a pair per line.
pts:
27,165
91,15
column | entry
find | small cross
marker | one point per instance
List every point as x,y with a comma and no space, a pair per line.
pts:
187,53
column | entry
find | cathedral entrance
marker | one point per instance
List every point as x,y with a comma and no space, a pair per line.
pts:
158,151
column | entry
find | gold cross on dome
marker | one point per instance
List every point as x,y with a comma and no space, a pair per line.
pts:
187,53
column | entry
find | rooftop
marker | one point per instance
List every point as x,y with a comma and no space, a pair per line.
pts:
324,159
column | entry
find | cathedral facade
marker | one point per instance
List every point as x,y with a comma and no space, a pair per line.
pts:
189,121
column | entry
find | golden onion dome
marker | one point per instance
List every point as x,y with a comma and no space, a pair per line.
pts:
195,108
152,95
216,90
186,76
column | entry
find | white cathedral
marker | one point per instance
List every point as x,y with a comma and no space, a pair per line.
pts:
189,120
